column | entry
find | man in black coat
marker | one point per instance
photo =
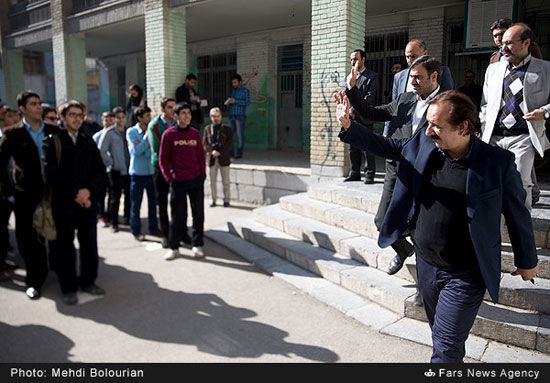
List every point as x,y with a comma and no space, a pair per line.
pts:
23,144
368,85
75,179
406,114
187,93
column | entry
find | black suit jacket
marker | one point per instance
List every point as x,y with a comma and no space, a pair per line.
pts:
80,167
399,112
368,85
18,144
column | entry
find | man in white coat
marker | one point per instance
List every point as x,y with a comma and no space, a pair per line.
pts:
516,102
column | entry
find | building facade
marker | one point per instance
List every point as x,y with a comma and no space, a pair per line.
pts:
293,55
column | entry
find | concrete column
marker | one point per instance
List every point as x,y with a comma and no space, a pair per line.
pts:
165,51
337,28
69,52
12,68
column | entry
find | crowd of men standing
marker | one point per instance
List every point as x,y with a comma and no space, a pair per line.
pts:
62,156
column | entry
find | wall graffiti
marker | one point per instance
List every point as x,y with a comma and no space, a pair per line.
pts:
257,96
329,80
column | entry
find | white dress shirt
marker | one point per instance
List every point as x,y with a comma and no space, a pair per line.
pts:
420,109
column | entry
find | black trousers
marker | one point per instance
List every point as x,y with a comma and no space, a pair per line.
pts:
63,252
31,245
356,159
5,212
179,191
127,198
103,212
115,192
161,189
402,247
451,300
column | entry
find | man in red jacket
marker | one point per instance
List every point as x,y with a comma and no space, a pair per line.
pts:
183,165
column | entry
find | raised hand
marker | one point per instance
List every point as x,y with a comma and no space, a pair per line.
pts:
353,76
343,109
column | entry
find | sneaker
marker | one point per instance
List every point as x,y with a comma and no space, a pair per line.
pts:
70,299
103,222
226,204
165,243
197,251
33,293
213,204
171,254
93,289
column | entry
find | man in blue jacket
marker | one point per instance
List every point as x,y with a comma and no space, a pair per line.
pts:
450,192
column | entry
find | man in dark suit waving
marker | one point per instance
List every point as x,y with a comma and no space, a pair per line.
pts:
450,192
406,114
368,85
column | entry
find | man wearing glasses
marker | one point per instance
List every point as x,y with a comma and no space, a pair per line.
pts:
516,103
76,179
49,115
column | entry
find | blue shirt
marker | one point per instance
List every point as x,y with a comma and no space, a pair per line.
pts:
173,123
242,99
140,153
37,136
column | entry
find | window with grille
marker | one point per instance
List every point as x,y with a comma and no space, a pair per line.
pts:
382,52
214,74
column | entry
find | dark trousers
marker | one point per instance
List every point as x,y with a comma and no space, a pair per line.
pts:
138,185
5,212
63,253
179,190
356,159
402,247
103,212
31,245
451,300
115,192
127,199
161,189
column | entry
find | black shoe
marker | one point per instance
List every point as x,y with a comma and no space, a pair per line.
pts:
238,156
226,204
93,289
115,229
417,300
369,181
395,265
70,299
213,204
165,243
139,237
352,178
33,293
8,265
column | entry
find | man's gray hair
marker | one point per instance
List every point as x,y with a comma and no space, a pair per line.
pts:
216,109
421,44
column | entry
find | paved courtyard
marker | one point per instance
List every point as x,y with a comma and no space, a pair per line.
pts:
217,309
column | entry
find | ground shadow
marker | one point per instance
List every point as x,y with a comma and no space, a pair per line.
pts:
33,343
136,305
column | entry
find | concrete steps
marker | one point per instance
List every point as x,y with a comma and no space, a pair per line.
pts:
365,199
373,297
